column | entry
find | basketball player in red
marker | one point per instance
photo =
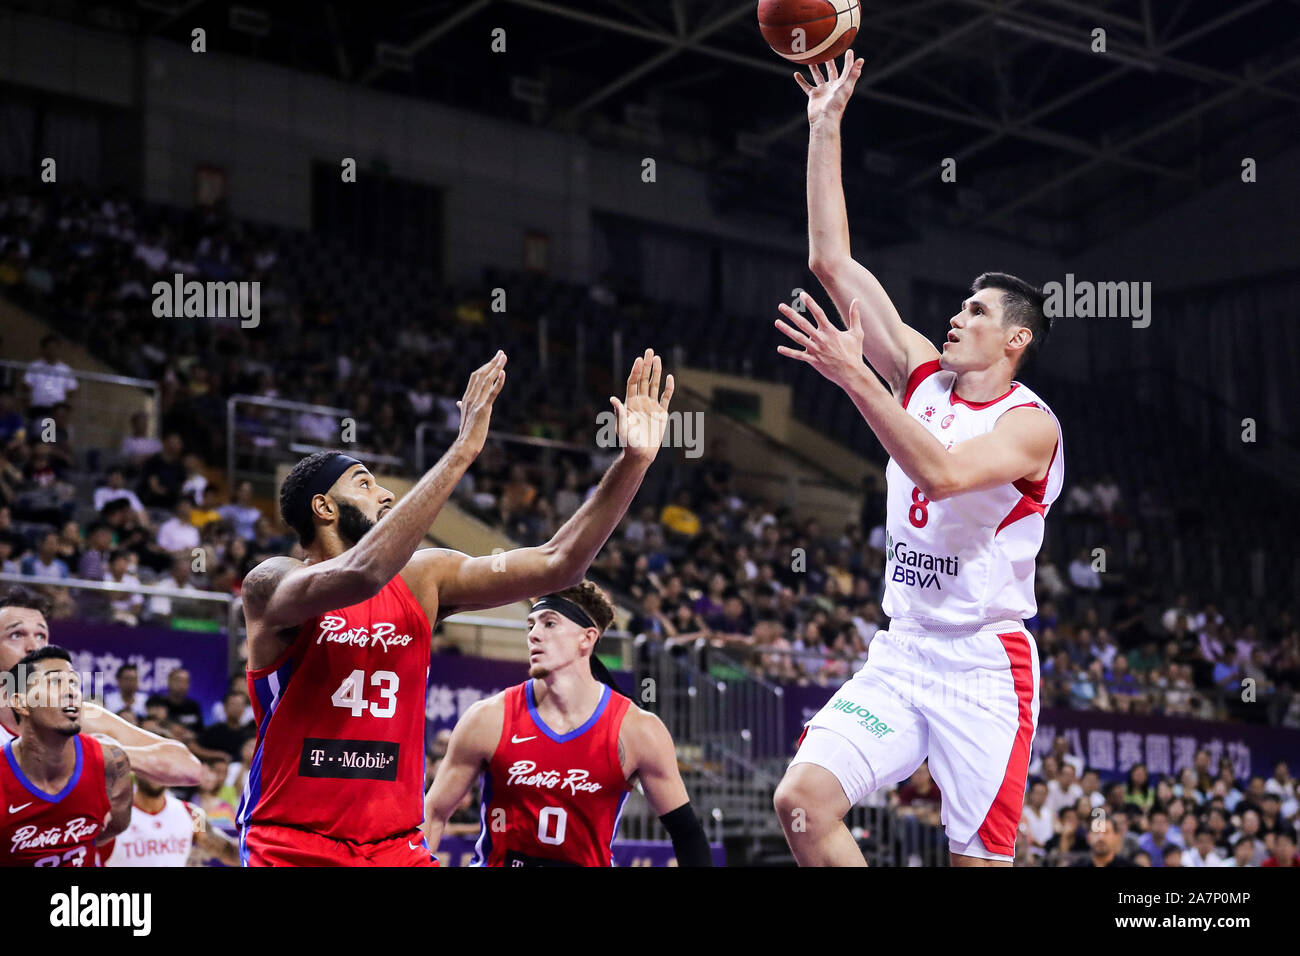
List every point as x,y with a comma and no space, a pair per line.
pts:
62,792
23,629
975,463
559,753
339,643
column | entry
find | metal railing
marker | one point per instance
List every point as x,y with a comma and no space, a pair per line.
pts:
277,433
100,429
232,605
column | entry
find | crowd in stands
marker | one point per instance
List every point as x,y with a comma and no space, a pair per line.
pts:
1202,816
794,601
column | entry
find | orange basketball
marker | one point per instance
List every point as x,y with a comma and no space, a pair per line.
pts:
809,31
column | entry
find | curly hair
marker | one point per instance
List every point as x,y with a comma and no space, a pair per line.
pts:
591,598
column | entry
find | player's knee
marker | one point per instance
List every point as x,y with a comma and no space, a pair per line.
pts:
801,800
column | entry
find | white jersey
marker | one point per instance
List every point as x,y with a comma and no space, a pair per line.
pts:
6,734
156,839
967,560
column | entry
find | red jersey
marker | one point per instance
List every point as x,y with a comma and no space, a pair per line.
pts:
561,794
54,829
340,723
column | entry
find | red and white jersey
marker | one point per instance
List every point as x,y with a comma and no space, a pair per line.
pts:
552,799
54,829
340,723
969,559
164,838
6,734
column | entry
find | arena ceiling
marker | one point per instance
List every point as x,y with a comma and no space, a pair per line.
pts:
1054,143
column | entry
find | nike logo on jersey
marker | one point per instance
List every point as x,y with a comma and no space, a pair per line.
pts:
24,806
514,739
411,845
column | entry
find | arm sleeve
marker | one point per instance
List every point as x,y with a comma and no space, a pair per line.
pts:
690,844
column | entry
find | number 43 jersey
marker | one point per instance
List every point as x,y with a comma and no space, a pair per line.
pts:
340,723
969,559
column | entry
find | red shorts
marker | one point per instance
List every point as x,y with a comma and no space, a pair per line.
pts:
269,845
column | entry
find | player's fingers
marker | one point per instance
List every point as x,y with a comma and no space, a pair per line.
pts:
848,59
647,371
800,320
855,315
832,71
496,388
656,369
816,74
814,308
634,377
670,386
792,353
794,335
803,84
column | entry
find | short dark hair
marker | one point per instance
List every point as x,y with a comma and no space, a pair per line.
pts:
126,667
20,596
1022,304
48,652
295,484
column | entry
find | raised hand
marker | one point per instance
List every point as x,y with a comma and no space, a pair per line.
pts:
835,353
643,414
476,407
828,96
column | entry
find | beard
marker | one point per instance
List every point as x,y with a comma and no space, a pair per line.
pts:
71,730
353,525
538,672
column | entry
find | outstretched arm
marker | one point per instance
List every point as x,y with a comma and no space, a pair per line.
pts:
646,751
471,746
281,592
166,762
892,348
458,582
1020,445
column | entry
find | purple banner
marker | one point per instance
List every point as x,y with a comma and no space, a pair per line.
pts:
1113,743
459,850
101,648
457,682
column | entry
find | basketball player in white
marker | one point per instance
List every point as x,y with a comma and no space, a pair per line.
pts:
975,462
163,831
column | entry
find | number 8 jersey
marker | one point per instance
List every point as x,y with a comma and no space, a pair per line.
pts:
340,723
969,559
552,799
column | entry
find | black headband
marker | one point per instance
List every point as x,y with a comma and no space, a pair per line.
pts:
321,482
553,602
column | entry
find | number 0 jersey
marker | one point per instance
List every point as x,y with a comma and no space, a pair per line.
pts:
552,799
53,829
340,723
969,559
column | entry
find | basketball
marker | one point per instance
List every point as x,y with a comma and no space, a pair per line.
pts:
809,31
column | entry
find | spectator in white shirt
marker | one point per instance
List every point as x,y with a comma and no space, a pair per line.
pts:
115,488
178,533
1082,573
126,608
139,445
127,696
1203,853
1106,494
178,579
241,514
1090,784
49,379
1061,751
1064,791
1037,822
1283,784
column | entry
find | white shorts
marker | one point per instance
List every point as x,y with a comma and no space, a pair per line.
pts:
967,702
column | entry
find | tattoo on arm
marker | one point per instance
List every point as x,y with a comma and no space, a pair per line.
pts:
117,778
261,582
